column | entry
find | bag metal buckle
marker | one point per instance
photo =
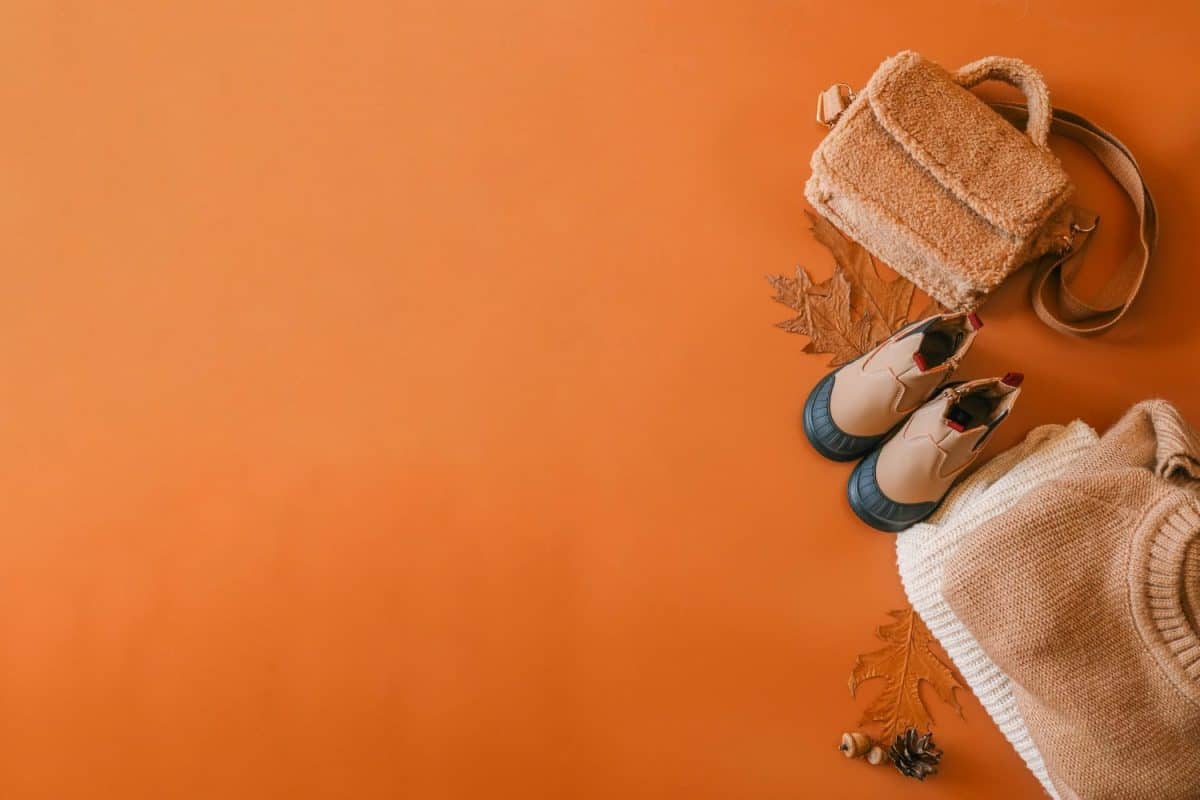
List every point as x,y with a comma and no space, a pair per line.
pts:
1068,238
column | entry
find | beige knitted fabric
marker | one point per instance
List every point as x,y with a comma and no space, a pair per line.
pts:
1085,593
930,179
923,549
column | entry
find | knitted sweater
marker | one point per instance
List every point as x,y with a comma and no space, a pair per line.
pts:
923,550
1086,593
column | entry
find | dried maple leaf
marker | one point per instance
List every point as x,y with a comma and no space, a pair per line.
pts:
852,311
833,328
930,308
904,663
793,293
825,314
886,301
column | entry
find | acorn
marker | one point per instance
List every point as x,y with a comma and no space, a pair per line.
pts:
876,756
855,744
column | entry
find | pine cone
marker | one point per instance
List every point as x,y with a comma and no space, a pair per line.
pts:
915,755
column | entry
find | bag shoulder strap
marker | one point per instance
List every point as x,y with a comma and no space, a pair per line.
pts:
1074,315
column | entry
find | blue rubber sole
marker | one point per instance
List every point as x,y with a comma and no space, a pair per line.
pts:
873,507
825,436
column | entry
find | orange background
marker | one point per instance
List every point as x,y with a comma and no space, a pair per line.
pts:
392,406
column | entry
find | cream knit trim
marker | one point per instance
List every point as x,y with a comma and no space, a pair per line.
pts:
922,551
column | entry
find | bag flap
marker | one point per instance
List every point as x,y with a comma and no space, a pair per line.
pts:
967,147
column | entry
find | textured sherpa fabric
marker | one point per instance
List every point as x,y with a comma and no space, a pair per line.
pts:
922,551
938,185
1085,593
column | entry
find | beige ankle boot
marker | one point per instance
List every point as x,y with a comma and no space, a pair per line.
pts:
904,481
854,408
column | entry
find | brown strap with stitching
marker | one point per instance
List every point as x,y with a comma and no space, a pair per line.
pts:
1073,314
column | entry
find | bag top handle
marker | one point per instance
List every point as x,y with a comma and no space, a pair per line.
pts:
1016,73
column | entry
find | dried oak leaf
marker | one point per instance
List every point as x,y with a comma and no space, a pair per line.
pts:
904,662
886,301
